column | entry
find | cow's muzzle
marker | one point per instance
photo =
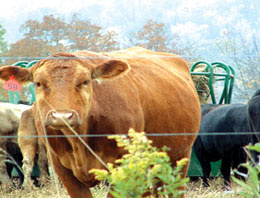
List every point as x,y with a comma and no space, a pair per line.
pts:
62,118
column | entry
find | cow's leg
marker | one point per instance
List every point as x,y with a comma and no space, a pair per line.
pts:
203,158
239,157
206,169
46,168
4,178
29,154
205,165
225,169
75,188
15,157
42,163
28,145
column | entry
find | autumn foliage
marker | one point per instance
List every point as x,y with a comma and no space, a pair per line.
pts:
55,34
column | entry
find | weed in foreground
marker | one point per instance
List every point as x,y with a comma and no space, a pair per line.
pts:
251,185
143,170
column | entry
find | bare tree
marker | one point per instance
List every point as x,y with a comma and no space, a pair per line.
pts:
156,36
243,54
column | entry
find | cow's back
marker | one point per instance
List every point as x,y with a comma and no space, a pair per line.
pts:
9,117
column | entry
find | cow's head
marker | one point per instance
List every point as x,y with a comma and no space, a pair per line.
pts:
63,85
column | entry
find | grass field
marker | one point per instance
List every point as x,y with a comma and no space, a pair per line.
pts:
194,190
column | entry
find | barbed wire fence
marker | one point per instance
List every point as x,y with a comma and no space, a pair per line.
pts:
154,135
148,134
5,58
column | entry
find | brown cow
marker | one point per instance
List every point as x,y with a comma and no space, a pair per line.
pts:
108,93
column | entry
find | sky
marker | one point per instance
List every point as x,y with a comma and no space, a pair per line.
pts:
197,22
182,15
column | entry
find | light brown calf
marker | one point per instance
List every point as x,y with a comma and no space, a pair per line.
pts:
30,145
9,120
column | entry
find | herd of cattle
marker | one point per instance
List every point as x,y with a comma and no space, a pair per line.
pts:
19,152
89,93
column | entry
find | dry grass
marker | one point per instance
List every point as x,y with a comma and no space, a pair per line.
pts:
201,83
47,191
194,190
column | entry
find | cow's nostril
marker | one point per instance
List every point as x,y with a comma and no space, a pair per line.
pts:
68,115
62,117
54,115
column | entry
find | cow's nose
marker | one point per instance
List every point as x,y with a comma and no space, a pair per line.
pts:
62,118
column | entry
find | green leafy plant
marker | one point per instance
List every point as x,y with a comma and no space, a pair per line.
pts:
250,187
144,169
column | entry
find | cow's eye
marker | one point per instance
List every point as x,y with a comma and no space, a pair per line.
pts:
37,84
85,82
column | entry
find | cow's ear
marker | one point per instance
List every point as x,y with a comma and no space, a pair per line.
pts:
109,70
22,75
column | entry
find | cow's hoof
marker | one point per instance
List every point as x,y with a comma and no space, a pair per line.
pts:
226,188
206,184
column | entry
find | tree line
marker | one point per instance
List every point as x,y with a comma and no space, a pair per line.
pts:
54,34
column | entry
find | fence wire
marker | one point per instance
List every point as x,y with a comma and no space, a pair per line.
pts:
149,135
91,57
117,55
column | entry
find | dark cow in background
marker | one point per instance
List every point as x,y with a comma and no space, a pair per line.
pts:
10,115
92,93
228,118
